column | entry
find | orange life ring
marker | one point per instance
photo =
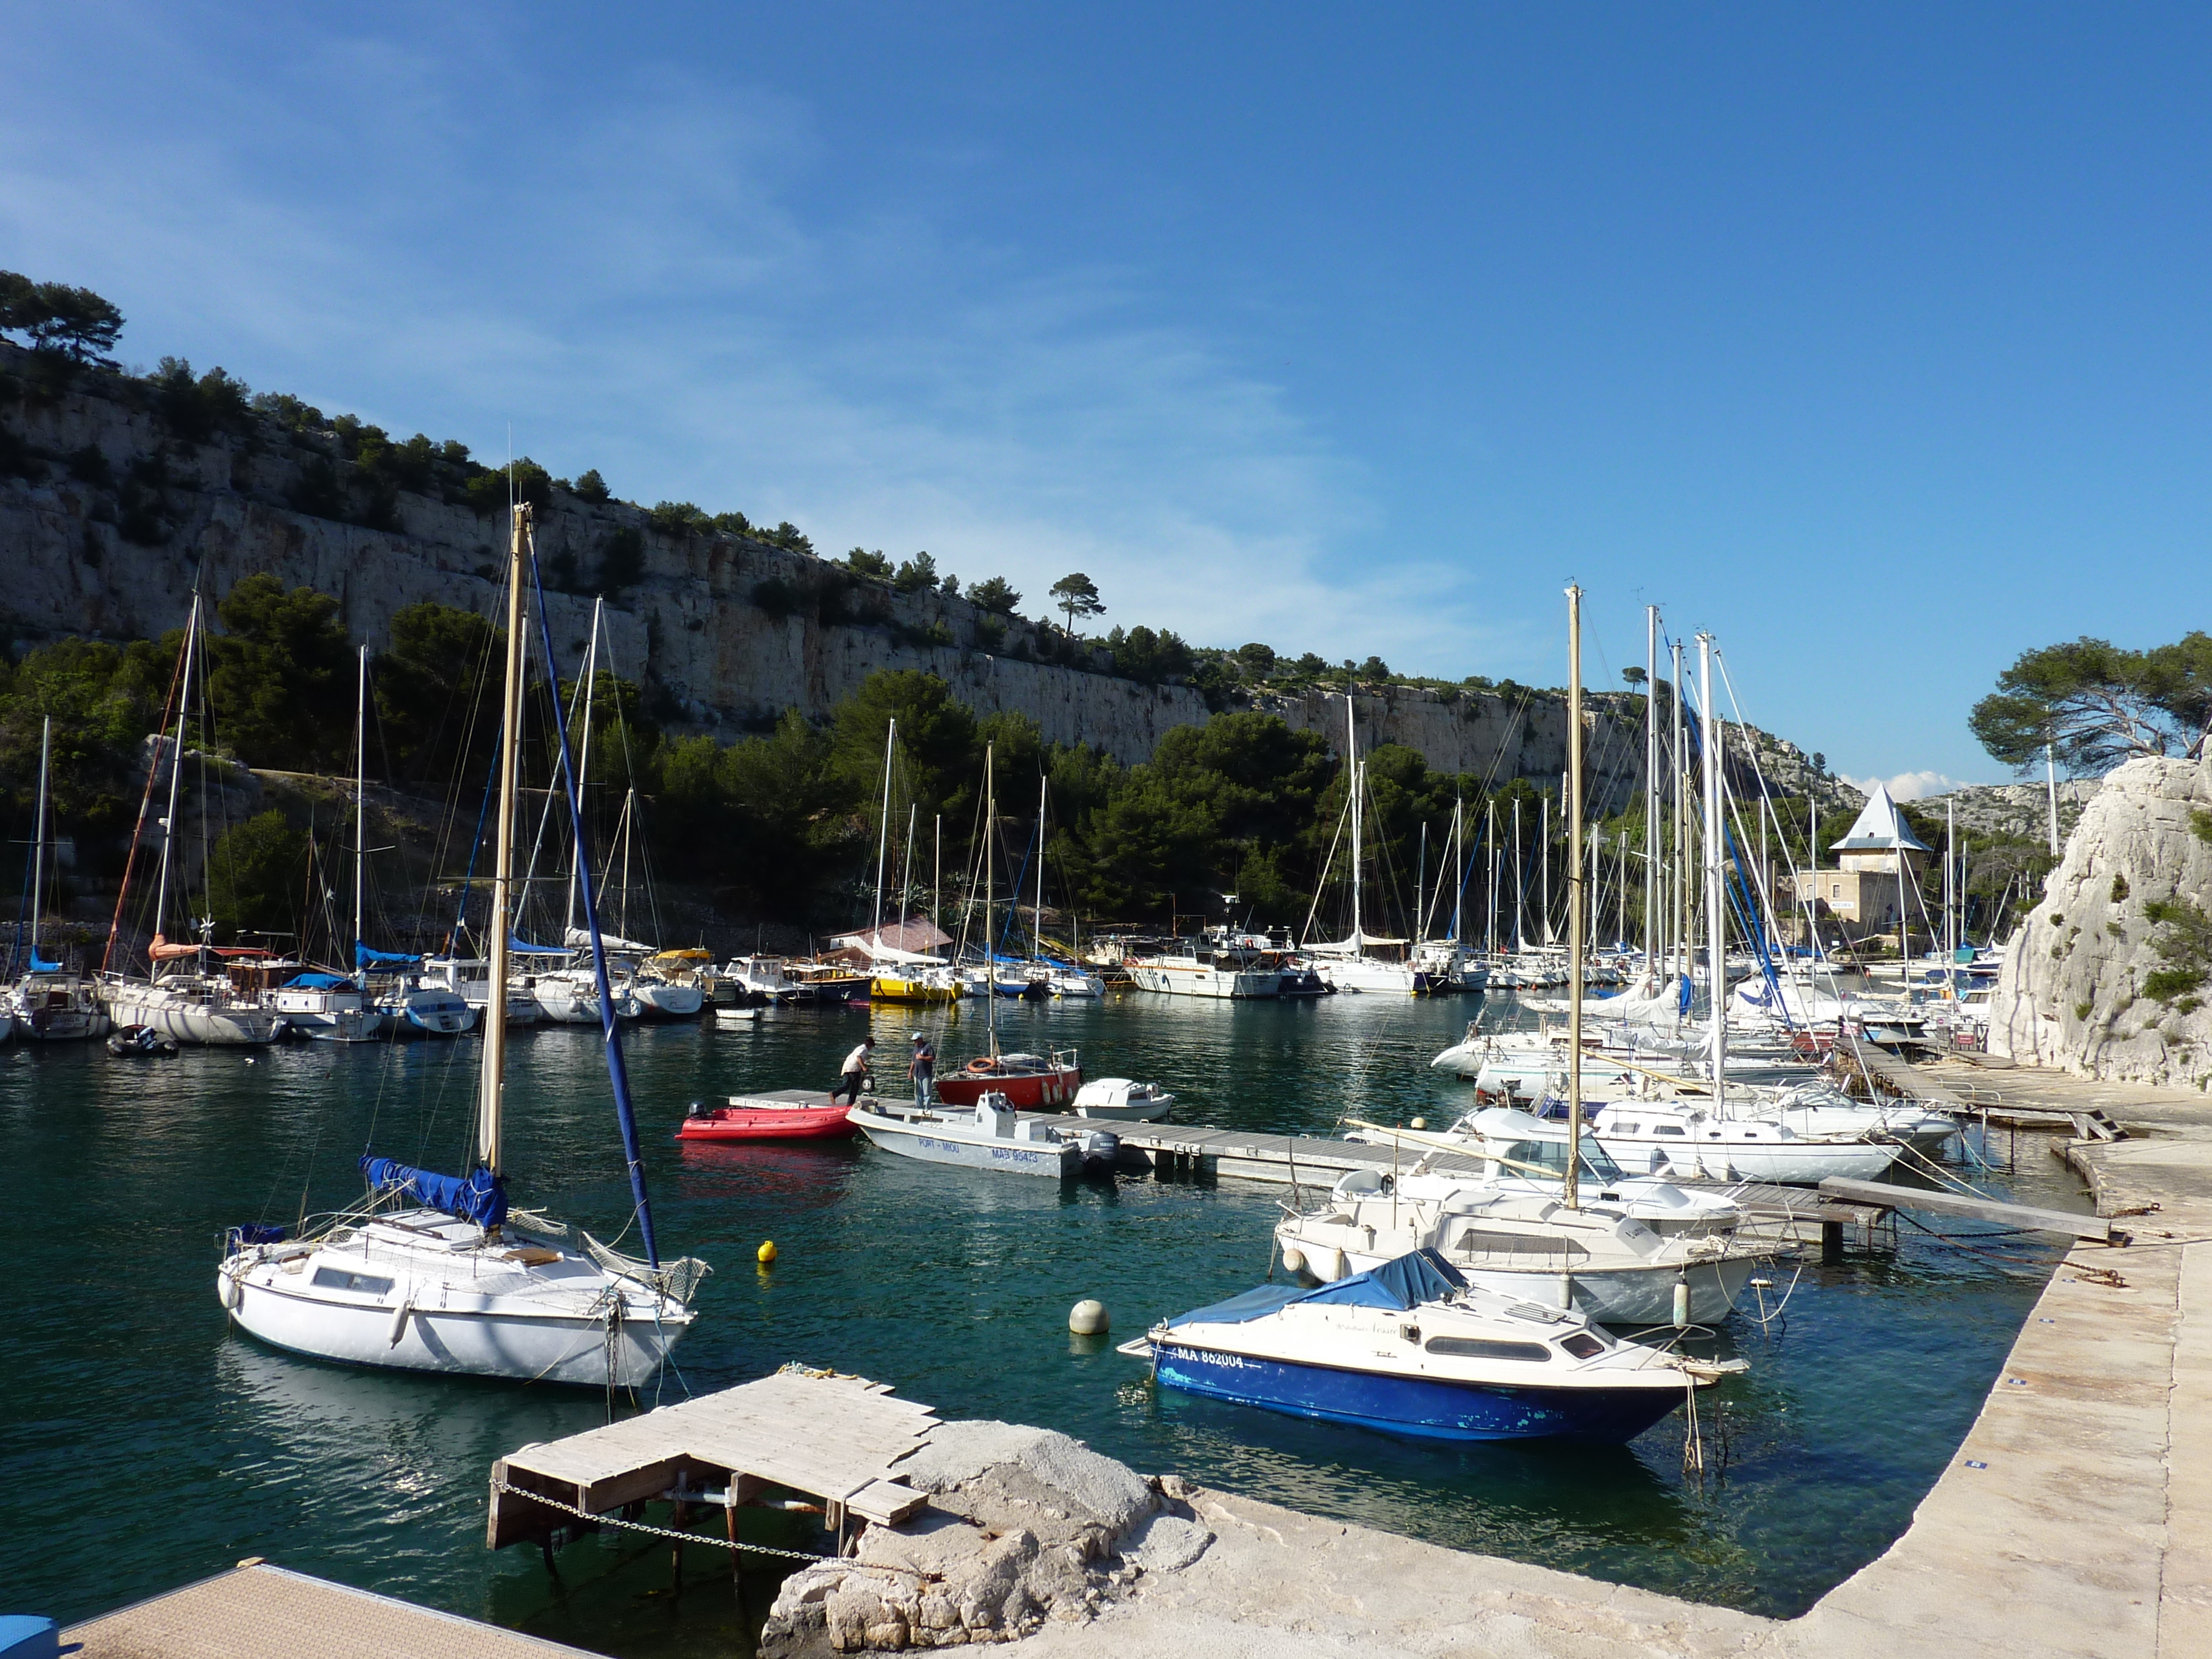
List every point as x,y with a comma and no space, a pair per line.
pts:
985,1064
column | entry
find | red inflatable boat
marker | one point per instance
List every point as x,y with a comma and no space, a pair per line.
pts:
786,1114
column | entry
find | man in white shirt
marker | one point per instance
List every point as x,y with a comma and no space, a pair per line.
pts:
855,1069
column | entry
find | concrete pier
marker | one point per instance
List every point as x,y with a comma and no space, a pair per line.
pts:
2075,1523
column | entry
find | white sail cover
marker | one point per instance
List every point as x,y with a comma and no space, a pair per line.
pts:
1353,946
580,939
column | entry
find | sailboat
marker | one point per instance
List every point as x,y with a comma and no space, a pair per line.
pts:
193,993
48,1002
986,1132
435,1271
1347,964
897,975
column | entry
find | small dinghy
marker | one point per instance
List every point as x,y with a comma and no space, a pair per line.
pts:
786,1114
1119,1101
1411,1348
140,1042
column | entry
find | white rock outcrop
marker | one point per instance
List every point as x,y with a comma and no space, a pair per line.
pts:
2071,994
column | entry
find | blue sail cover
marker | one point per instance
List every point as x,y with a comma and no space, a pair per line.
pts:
479,1196
1423,1276
522,946
318,982
41,965
365,958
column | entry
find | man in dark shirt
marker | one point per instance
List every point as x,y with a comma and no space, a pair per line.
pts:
923,1070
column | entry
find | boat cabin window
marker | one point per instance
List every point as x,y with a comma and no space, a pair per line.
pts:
1476,1347
337,1278
1583,1346
1475,1241
1668,1129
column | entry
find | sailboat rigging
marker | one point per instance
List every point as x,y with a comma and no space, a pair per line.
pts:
434,1272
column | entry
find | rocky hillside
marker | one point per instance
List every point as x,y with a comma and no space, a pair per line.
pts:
118,501
2083,981
2013,809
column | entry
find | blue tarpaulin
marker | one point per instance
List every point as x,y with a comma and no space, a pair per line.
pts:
363,956
478,1196
318,982
41,965
516,943
1423,1276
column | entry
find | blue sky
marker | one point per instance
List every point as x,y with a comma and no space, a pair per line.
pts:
1872,339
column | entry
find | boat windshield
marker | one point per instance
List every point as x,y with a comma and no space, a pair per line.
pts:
1551,1155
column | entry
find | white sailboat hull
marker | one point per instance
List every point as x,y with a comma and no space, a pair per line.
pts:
184,1020
1361,974
1793,1163
659,1000
1201,980
467,1341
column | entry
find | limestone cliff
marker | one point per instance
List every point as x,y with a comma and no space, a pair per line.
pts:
2070,992
110,517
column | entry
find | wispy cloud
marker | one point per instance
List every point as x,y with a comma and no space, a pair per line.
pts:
1910,786
641,274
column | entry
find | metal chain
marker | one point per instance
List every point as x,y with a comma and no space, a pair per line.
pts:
681,1537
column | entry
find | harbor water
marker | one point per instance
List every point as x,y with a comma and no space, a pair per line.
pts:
145,1444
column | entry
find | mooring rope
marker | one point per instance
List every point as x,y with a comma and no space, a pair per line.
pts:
680,1536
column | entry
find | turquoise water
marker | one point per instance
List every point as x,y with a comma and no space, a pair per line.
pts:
145,1445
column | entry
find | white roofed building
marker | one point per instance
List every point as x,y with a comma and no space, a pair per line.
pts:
1860,895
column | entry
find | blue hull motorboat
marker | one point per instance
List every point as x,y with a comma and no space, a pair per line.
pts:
1411,1348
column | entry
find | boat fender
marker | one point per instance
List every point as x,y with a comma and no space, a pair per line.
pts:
233,1291
1294,1259
1681,1301
399,1323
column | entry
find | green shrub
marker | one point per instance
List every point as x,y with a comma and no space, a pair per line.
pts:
2082,1009
869,566
592,487
679,519
255,875
2119,887
622,561
776,597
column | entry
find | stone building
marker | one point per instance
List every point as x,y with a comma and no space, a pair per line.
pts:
1861,896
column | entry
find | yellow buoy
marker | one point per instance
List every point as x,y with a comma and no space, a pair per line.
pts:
766,1254
1087,1319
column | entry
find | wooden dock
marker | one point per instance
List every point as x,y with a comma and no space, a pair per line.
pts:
257,1611
832,1438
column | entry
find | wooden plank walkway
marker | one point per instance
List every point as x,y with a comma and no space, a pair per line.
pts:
832,1437
257,1611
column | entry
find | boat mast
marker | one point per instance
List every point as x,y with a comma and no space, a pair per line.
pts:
1716,847
1421,888
1520,884
1036,934
359,803
1678,950
1491,933
584,745
1544,866
1351,764
882,840
176,776
491,1096
990,875
1575,896
38,837
2051,788
1651,793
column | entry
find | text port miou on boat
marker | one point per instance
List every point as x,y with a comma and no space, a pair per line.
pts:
434,1272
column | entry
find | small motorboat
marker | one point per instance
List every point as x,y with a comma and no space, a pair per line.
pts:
1030,1083
1411,1348
1121,1101
786,1115
139,1042
989,1135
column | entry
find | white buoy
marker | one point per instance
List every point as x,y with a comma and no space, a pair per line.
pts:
1420,1123
1294,1259
1682,1302
1087,1319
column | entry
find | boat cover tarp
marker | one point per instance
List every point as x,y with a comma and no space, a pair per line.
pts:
1418,1277
41,965
318,982
1410,1280
522,946
1238,1309
479,1196
365,958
